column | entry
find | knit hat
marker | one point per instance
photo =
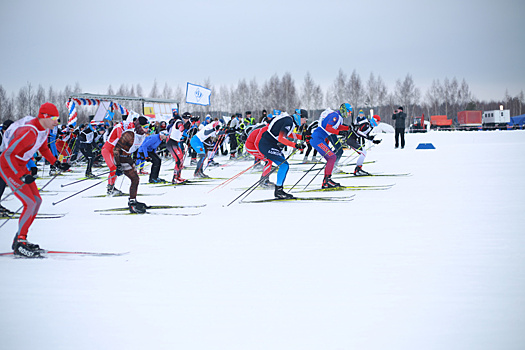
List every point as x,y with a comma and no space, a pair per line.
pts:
142,120
48,110
401,108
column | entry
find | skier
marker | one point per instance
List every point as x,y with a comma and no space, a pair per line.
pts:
107,152
24,138
279,129
203,141
147,151
193,127
175,145
233,128
86,138
360,129
307,137
330,123
127,144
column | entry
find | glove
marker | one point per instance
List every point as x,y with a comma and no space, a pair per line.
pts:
119,170
377,141
344,133
62,166
34,171
300,145
28,179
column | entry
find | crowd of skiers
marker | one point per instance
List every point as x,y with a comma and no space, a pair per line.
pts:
126,146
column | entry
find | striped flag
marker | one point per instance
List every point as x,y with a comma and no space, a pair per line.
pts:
72,109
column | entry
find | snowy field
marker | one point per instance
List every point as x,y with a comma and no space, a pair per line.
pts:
435,262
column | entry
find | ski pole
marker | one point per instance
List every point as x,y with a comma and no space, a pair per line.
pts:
235,176
306,173
74,182
308,184
252,187
85,189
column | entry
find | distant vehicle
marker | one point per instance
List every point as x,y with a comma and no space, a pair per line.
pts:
469,120
440,122
498,119
419,125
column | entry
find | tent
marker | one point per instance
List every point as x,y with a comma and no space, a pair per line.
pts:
518,120
154,108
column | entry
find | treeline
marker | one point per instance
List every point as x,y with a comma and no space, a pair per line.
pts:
445,97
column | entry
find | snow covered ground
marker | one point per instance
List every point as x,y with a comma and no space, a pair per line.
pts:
435,262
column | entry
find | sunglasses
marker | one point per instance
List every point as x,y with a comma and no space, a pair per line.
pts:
52,117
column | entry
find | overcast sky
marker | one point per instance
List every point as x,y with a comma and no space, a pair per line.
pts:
98,43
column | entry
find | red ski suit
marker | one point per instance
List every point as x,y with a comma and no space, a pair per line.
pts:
251,146
25,141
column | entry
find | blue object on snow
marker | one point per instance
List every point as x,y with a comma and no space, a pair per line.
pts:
425,146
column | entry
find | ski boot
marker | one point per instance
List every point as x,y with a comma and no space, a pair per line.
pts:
329,183
53,171
358,171
280,194
114,192
178,180
143,172
136,207
5,212
91,176
200,174
157,181
193,161
22,247
213,163
266,183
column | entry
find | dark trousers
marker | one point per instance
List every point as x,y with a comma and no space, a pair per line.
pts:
155,165
87,151
400,132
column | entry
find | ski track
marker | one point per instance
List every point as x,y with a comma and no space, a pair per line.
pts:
435,262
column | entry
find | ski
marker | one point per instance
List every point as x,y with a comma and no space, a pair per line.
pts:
149,213
340,165
350,188
342,188
154,207
38,216
44,252
124,195
345,174
308,199
187,182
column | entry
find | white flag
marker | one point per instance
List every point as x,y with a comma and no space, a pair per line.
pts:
197,95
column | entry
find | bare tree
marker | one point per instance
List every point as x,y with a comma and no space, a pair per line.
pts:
309,93
376,92
271,93
407,94
290,99
3,104
355,91
123,90
338,92
154,93
254,97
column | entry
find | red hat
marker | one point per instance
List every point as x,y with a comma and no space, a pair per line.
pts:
48,110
